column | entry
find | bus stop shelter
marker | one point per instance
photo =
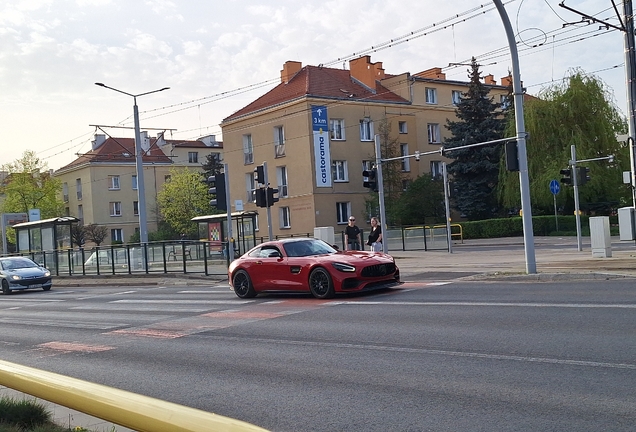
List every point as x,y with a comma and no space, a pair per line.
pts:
213,228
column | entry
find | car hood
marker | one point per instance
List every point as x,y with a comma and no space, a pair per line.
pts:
26,272
359,257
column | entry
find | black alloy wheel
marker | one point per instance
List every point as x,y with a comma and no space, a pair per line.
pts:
5,287
243,285
321,284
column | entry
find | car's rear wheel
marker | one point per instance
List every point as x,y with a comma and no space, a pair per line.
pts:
321,284
5,287
243,285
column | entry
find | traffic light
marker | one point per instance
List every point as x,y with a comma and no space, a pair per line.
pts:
260,174
567,176
582,175
271,199
512,156
370,180
261,196
217,188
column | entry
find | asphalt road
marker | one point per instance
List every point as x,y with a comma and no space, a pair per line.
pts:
445,356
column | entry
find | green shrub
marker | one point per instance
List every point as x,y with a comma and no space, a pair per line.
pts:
23,413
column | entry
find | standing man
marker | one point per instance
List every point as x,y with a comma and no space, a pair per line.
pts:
353,238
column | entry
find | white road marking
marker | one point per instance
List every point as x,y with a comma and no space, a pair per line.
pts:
177,302
493,304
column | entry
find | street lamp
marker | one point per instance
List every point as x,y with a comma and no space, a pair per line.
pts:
141,192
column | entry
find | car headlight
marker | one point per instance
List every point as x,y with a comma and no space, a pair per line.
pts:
15,277
47,273
344,267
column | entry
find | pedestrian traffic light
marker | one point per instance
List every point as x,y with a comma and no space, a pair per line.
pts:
271,199
512,156
567,176
582,175
260,174
369,179
261,196
217,188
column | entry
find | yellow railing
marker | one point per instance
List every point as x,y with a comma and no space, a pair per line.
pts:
456,231
131,410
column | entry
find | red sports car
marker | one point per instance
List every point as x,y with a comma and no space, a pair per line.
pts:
310,265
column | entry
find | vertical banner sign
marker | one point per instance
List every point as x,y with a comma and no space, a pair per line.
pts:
321,145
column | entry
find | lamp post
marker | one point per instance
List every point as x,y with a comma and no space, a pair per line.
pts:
141,190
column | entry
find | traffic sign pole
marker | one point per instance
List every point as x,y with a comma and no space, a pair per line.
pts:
555,187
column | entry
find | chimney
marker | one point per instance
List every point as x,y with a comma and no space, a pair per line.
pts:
434,73
506,81
290,68
366,72
160,140
145,141
490,80
99,140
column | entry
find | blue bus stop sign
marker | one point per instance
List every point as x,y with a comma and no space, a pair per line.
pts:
555,187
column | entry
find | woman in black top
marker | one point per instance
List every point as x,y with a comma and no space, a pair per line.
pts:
375,236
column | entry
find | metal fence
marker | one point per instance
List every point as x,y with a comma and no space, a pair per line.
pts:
203,257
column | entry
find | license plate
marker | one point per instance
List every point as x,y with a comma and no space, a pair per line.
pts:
35,286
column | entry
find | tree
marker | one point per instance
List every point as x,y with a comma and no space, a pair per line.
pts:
212,165
423,202
392,174
29,185
182,198
579,111
78,234
475,170
96,233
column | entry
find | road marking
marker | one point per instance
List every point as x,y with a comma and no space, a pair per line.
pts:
59,323
494,304
177,302
207,291
546,360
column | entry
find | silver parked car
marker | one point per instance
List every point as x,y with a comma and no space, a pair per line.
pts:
20,273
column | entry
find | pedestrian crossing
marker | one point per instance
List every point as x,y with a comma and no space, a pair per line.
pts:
77,322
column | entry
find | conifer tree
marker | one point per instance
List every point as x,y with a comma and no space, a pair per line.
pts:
475,170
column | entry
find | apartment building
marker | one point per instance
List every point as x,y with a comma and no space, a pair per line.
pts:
101,186
316,132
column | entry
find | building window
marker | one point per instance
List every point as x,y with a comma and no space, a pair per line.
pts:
337,129
436,169
80,212
167,178
339,171
78,187
504,101
431,95
402,127
248,149
117,235
404,151
405,184
250,187
136,208
281,176
113,182
115,208
285,221
134,182
67,211
65,192
279,141
367,165
343,210
433,133
193,157
456,97
366,130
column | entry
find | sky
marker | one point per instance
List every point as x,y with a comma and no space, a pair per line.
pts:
218,56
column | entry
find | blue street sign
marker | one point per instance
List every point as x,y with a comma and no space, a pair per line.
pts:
555,187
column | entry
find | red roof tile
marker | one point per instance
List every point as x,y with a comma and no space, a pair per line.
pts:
321,82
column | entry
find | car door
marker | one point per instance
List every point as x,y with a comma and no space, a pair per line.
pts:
269,266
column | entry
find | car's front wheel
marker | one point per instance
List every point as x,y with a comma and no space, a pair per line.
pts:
5,287
243,285
321,284
46,288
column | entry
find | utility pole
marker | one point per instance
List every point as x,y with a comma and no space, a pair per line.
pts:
378,165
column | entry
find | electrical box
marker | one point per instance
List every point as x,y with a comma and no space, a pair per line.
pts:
600,236
326,234
626,226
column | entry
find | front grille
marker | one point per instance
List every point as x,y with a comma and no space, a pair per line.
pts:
378,270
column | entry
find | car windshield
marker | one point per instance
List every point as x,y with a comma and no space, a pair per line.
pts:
307,248
17,263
